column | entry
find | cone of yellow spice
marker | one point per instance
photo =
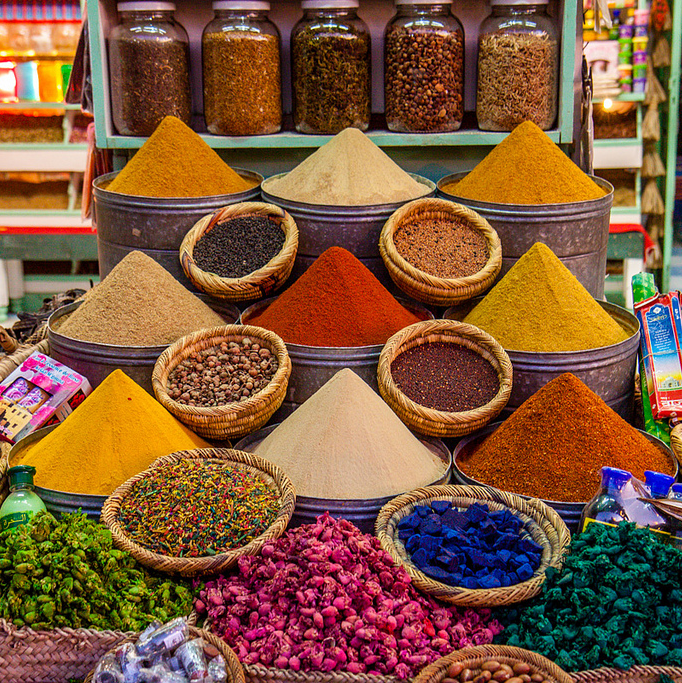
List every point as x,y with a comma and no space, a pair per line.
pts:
539,306
117,432
526,168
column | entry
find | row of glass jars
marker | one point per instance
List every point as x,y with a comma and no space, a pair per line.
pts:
331,72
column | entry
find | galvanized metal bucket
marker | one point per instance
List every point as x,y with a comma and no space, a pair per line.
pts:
97,361
355,228
577,232
313,366
58,501
609,371
569,512
362,513
153,225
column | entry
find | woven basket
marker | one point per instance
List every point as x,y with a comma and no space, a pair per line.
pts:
474,657
541,522
235,419
637,674
194,566
235,672
436,422
256,673
55,656
427,288
261,282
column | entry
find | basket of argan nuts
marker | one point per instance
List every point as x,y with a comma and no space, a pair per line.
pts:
223,382
493,664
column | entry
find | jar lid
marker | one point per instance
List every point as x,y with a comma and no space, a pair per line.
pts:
329,4
423,2
242,4
144,5
493,3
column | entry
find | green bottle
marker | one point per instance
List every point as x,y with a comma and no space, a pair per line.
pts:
22,502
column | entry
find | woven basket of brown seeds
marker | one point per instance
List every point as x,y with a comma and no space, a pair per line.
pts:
231,380
496,663
257,284
472,230
439,423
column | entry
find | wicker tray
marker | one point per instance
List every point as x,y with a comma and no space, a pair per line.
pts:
473,657
235,672
427,288
261,282
256,673
436,422
541,522
637,674
235,419
194,566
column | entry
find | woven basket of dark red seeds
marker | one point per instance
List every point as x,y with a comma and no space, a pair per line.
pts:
241,252
444,378
440,252
493,663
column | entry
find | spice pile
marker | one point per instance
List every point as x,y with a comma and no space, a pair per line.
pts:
344,442
336,302
617,602
526,168
239,246
554,446
539,306
445,376
215,376
176,162
474,548
349,170
138,304
67,573
117,432
194,508
442,247
325,597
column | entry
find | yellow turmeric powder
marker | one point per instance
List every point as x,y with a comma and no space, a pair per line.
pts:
176,162
117,432
526,168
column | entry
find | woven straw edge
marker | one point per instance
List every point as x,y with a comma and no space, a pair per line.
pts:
635,673
231,419
436,422
254,285
256,673
235,671
429,288
191,566
547,518
436,671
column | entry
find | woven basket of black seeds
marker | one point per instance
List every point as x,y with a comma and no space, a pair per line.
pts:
241,252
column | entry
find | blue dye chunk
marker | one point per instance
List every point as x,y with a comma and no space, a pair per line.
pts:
441,506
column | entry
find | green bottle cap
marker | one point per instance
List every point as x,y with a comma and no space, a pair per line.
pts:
21,474
643,286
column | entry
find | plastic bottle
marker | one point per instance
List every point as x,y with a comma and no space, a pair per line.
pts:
22,502
644,514
658,483
607,506
675,493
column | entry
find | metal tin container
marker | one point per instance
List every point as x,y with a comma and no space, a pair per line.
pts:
153,225
363,512
97,361
569,512
577,232
355,228
313,366
609,371
58,501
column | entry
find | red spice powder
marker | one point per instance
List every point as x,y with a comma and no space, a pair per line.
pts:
555,444
336,302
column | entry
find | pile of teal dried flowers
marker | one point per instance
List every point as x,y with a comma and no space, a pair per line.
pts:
617,602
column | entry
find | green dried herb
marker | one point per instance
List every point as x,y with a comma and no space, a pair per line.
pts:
331,79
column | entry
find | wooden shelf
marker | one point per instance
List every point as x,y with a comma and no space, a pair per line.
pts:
27,106
43,158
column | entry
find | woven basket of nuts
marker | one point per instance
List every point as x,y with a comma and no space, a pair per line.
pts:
496,663
223,382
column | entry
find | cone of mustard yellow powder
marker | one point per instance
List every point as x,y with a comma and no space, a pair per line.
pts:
539,306
117,432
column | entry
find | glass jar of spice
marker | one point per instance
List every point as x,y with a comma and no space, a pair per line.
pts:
424,63
242,74
148,68
518,66
331,68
